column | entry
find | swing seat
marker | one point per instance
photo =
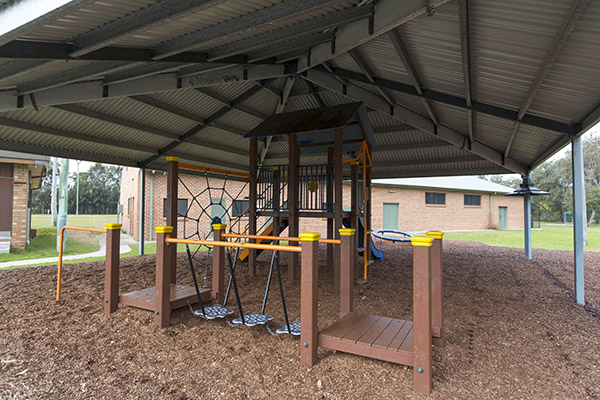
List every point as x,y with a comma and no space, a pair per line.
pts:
213,312
294,327
253,319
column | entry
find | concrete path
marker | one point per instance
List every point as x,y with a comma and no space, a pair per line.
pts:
125,242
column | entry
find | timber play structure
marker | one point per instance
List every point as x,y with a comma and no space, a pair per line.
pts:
284,194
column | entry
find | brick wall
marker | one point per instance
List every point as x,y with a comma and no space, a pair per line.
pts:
413,213
20,202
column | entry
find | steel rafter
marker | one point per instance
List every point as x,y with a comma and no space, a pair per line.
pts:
567,27
19,67
440,131
232,104
455,101
287,33
218,114
412,72
465,54
364,67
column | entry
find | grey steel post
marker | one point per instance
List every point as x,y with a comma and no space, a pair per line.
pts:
579,215
142,209
527,222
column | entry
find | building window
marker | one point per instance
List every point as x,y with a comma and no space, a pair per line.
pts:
473,200
129,205
435,199
182,205
240,208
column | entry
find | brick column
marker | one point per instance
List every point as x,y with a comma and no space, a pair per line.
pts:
19,212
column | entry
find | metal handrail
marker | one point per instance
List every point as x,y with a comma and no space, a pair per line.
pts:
60,252
274,247
267,237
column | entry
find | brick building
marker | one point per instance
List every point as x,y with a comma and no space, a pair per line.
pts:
19,174
408,204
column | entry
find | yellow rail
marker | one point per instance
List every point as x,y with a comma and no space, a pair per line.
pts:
60,252
214,170
274,247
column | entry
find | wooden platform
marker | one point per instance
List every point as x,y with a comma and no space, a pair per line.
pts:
371,336
180,295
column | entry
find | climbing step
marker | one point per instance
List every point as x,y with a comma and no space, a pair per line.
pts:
213,312
253,319
294,329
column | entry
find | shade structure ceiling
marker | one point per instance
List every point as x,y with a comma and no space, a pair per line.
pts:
451,86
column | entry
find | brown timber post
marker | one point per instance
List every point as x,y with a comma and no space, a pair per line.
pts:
276,202
338,203
354,211
218,276
309,290
162,305
437,288
329,199
292,202
347,270
111,267
421,313
172,185
252,204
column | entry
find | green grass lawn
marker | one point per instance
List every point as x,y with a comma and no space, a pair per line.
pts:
39,221
550,236
44,245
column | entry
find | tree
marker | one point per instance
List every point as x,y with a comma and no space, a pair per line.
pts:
99,190
41,198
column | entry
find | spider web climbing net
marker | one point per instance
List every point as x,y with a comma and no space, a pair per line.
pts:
215,203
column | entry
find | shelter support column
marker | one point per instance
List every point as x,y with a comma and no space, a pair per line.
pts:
252,204
172,185
218,275
437,289
111,267
338,204
329,196
579,218
527,225
309,291
162,305
292,203
347,270
422,313
368,226
142,213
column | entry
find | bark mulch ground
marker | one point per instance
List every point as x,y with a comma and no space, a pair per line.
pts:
512,330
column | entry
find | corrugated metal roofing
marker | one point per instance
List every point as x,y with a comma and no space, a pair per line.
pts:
509,41
462,183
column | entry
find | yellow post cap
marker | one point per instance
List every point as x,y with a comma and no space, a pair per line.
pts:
354,163
219,226
435,234
275,168
112,226
310,236
423,241
347,231
163,229
170,158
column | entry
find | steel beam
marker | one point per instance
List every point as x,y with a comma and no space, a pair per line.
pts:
567,27
19,67
146,18
386,15
235,106
455,101
214,117
402,52
465,54
364,67
579,218
142,72
393,129
297,44
445,133
74,75
287,33
245,23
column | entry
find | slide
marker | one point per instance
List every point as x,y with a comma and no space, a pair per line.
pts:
377,253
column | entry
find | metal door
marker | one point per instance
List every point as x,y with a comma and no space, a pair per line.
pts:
390,216
502,217
6,204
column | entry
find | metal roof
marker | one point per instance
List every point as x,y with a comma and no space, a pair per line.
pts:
450,86
454,183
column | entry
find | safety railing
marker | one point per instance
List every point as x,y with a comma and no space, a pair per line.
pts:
257,246
277,238
109,227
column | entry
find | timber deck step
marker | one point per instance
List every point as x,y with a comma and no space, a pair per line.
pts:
180,295
373,336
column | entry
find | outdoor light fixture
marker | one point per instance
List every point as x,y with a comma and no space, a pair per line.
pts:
527,187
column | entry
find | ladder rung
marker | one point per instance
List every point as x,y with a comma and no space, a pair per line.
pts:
361,249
